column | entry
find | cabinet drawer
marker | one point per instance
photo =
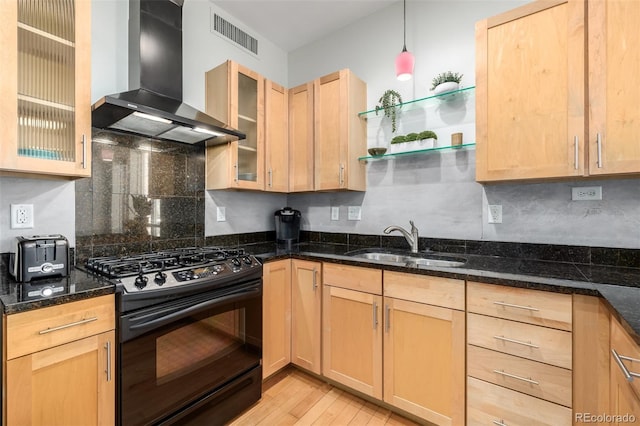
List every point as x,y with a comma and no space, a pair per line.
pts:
445,292
489,404
352,277
628,353
519,304
533,342
533,378
33,331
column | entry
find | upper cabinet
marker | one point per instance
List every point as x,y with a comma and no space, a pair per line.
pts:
301,138
340,136
530,89
277,138
235,95
46,87
614,116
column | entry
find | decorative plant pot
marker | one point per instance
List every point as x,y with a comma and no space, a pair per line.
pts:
447,86
427,143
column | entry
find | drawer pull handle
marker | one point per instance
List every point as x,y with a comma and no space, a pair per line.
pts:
519,342
513,376
499,423
629,375
71,324
509,305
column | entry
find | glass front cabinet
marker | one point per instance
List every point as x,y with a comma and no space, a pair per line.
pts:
46,87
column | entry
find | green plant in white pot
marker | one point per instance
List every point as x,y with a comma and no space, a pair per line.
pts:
427,139
446,82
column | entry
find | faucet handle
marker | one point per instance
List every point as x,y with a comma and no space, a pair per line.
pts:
413,226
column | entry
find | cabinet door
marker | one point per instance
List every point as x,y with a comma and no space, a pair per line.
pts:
235,95
424,361
72,384
276,138
46,87
340,136
352,339
276,316
301,156
625,390
306,304
614,61
530,92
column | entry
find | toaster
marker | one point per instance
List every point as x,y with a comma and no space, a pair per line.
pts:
39,256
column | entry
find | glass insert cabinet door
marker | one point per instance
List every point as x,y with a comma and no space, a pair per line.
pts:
47,89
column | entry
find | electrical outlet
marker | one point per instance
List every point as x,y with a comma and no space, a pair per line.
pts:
335,213
586,193
21,216
355,213
221,214
494,213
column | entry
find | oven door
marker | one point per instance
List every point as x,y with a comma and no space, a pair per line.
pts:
178,353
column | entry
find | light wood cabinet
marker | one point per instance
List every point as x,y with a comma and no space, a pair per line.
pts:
301,156
519,345
530,89
424,346
352,327
276,316
46,88
276,138
614,59
340,136
625,362
63,370
306,312
235,96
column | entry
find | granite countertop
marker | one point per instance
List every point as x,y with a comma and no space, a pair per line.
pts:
19,297
618,286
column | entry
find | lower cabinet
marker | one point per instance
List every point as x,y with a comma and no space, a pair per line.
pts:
306,311
625,368
62,369
276,316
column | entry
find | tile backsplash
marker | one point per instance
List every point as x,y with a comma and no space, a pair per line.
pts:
144,194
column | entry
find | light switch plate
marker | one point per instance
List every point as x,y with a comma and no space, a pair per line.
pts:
335,213
355,213
221,214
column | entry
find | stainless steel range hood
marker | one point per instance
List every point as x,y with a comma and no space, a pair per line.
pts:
153,107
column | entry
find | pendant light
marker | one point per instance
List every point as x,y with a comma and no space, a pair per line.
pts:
405,60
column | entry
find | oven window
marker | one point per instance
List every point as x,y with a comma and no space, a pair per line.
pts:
195,345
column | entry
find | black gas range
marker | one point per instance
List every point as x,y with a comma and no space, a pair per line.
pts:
189,333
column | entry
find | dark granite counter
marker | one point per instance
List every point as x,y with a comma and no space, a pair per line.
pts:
19,297
619,286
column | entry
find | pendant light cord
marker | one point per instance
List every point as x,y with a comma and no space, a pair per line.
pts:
404,26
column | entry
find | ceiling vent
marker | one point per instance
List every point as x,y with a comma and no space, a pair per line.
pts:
228,30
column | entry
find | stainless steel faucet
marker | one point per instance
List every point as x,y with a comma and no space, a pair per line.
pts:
412,238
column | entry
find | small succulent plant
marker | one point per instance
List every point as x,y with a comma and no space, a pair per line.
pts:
444,77
399,139
389,102
411,137
427,134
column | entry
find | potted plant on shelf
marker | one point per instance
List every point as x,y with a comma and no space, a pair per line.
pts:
446,82
427,139
389,103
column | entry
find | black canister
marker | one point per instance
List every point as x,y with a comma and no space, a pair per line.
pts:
287,225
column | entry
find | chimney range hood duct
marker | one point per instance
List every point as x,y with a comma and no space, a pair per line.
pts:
153,107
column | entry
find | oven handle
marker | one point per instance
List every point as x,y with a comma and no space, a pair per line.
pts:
158,322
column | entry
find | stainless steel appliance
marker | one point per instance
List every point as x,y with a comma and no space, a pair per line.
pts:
39,256
190,333
287,225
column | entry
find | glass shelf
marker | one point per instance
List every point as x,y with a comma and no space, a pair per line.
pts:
425,101
393,155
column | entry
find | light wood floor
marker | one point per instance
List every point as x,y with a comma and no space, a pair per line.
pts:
296,398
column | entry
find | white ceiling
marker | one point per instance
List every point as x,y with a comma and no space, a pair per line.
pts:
291,24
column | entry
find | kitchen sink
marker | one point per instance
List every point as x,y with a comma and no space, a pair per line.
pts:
415,260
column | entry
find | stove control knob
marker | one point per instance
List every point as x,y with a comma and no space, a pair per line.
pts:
236,262
141,281
160,278
247,260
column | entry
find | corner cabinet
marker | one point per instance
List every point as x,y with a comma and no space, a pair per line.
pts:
340,136
46,88
276,138
531,99
60,366
301,138
235,96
